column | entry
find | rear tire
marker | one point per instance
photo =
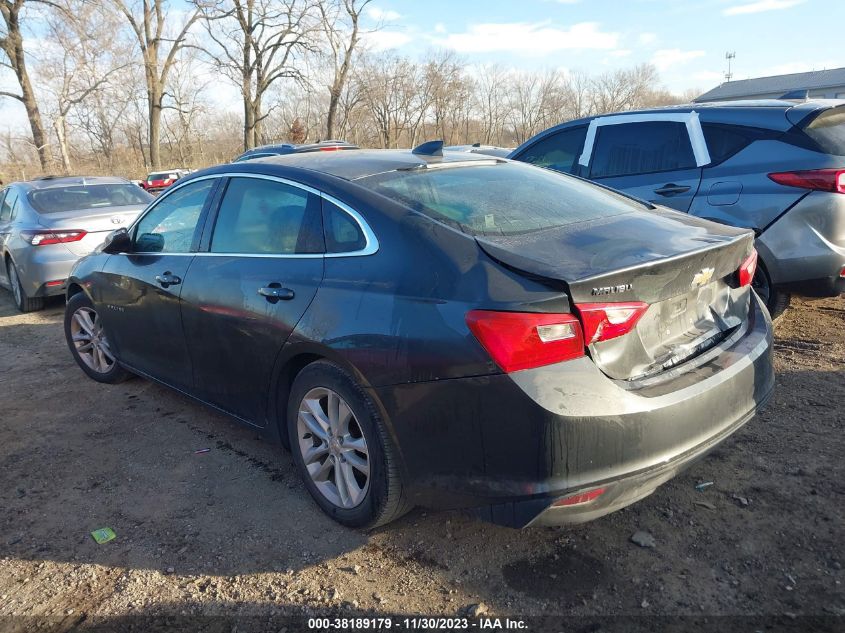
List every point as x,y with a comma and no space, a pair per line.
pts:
367,500
88,344
22,301
775,299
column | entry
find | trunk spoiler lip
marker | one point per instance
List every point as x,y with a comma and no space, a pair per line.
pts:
598,276
670,258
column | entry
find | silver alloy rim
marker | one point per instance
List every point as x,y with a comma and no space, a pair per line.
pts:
333,447
15,284
90,341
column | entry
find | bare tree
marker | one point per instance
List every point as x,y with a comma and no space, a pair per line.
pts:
255,44
340,22
149,24
11,42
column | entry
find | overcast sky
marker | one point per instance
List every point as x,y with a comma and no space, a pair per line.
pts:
686,40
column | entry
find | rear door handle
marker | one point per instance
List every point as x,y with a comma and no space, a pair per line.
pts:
168,279
274,293
671,189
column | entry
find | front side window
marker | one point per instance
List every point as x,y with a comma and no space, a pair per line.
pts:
640,148
499,199
170,225
558,151
266,217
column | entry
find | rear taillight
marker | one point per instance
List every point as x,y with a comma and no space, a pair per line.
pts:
581,497
604,321
818,179
522,340
748,268
43,238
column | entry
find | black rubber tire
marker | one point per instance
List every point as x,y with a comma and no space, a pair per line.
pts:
26,303
776,299
117,373
385,500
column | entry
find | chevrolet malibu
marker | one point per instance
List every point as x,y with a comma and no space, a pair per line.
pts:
428,328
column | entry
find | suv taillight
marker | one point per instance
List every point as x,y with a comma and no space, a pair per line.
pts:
523,340
43,238
818,179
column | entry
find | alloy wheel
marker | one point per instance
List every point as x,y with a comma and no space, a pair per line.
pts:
15,283
333,447
90,341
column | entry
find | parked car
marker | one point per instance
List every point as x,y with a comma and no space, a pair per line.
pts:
775,166
478,148
48,223
448,330
160,180
280,149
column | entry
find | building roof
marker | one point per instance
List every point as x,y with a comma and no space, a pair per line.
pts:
782,84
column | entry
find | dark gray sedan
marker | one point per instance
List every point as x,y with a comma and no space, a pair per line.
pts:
48,223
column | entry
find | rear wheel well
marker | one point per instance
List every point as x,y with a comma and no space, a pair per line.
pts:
73,289
284,382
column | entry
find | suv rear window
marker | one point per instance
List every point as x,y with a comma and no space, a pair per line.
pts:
86,197
828,131
499,199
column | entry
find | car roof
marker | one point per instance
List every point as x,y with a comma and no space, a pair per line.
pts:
48,182
359,163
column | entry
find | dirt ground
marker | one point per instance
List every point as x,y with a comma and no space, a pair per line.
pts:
233,531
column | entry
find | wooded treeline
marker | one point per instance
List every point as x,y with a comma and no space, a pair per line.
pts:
127,86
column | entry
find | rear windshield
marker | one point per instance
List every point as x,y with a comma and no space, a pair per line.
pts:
84,197
164,175
500,199
828,131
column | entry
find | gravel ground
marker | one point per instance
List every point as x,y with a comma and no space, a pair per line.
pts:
233,531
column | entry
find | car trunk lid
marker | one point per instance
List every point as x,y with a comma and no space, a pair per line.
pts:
97,224
684,268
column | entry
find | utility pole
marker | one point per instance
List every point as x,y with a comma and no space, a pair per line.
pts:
729,56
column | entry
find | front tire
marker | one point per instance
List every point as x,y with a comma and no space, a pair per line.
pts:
342,450
22,301
88,343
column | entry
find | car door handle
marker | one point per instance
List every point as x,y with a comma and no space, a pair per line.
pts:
671,189
274,292
168,279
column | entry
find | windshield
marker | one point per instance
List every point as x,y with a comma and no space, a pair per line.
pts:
84,197
501,199
164,175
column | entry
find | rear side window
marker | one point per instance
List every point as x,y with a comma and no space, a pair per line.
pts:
170,225
828,131
343,235
266,217
723,141
499,199
560,151
640,148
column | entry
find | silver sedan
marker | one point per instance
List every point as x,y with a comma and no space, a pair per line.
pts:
48,223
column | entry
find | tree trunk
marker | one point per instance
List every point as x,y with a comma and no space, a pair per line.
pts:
60,125
155,129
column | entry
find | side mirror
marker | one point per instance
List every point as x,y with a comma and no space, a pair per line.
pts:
117,241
